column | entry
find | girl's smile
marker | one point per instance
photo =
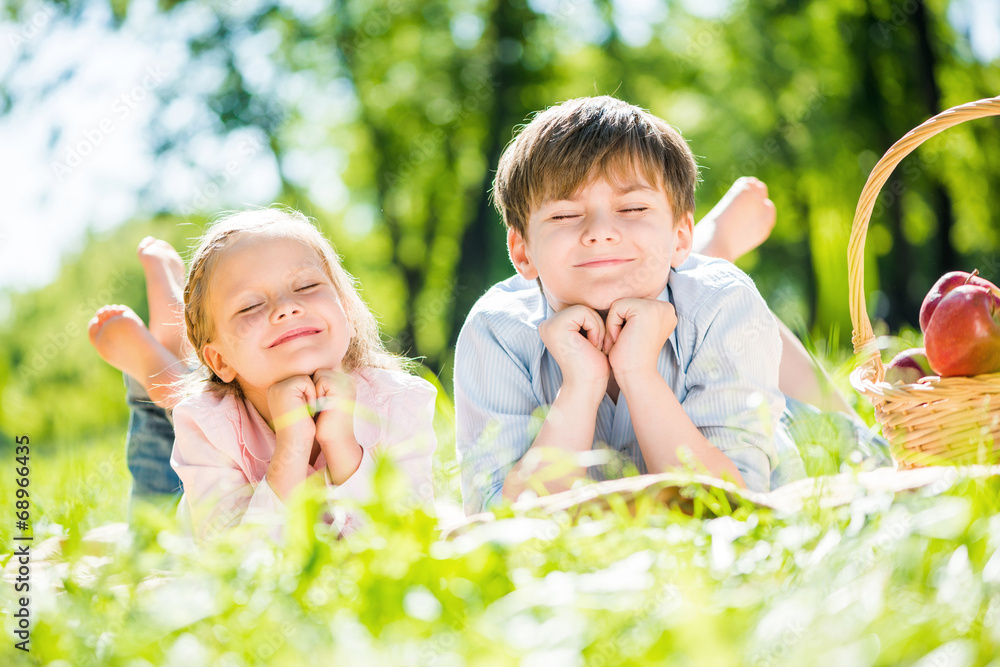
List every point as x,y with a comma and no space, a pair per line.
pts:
276,313
293,334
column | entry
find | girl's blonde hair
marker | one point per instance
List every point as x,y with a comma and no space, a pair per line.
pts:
365,349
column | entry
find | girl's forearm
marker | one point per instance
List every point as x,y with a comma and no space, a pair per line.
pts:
662,429
290,464
343,458
335,434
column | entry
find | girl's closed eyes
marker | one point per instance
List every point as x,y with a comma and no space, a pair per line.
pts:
288,349
303,289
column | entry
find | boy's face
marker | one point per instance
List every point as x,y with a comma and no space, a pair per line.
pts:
602,244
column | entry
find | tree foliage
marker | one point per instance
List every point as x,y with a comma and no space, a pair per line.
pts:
404,107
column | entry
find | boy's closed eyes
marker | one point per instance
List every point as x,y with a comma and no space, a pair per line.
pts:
625,352
574,206
604,243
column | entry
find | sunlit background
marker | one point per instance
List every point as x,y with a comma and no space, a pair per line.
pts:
383,120
65,73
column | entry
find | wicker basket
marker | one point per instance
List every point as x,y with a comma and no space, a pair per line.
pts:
952,420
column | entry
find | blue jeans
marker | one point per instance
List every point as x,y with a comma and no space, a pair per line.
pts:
827,440
148,445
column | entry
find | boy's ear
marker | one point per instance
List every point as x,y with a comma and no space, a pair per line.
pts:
684,239
517,247
218,364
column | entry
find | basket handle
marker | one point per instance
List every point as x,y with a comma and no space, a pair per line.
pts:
863,337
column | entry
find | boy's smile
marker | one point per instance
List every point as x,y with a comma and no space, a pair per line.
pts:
603,243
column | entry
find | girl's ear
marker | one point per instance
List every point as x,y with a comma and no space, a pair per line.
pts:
218,363
684,239
517,247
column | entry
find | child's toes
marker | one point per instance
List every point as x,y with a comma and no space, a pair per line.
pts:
93,327
114,310
145,244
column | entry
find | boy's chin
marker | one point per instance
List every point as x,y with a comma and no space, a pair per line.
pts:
600,307
599,303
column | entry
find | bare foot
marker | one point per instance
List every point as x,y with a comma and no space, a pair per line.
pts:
164,271
741,221
123,341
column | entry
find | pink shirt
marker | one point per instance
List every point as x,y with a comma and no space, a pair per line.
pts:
222,447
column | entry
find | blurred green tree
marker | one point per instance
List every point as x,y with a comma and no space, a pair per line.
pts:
408,105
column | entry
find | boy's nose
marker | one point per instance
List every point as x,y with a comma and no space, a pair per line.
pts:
601,229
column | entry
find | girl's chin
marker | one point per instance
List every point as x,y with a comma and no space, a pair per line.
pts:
308,369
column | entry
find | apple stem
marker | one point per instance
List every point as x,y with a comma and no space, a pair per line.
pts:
975,272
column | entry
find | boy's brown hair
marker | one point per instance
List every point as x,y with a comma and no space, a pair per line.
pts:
565,146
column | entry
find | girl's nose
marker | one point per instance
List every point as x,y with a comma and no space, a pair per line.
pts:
285,307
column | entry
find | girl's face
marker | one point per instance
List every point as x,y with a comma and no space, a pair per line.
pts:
275,312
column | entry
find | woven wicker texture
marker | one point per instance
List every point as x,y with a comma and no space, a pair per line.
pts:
951,420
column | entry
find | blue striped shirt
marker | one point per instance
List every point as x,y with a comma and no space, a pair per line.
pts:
721,362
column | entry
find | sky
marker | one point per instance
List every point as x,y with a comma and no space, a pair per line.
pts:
79,155
83,155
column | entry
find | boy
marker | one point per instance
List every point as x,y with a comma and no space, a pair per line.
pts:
667,358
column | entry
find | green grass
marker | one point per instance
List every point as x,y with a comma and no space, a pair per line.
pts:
885,588
78,485
885,580
882,581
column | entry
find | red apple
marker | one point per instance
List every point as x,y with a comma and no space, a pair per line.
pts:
908,367
946,284
963,334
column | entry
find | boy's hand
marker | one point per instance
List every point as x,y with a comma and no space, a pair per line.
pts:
335,397
289,402
574,337
637,330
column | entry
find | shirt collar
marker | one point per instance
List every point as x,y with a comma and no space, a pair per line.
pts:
668,296
255,434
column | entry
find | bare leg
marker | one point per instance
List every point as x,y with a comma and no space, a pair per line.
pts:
164,271
741,221
123,341
800,377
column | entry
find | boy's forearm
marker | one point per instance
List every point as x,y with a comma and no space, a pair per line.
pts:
549,465
662,428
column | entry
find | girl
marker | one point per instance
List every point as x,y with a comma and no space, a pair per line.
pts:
297,380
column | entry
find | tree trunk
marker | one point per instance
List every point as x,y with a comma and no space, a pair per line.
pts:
926,62
484,238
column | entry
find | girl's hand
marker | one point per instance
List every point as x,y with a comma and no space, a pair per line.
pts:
289,403
336,395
